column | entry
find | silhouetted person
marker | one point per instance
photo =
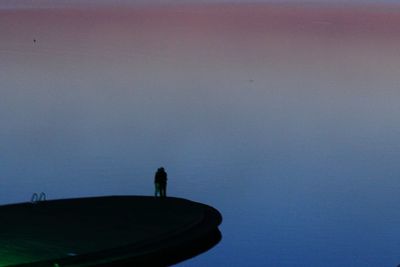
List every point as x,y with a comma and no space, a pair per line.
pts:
160,182
157,184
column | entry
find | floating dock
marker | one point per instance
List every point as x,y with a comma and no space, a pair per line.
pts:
106,231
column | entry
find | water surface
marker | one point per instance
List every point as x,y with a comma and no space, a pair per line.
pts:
285,118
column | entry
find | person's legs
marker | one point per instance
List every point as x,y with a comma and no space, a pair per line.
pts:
163,190
157,190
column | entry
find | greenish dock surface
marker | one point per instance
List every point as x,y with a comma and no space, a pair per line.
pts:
106,231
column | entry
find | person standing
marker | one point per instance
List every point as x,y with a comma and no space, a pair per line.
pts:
157,179
160,182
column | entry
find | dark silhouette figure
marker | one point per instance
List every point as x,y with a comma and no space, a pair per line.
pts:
157,184
160,182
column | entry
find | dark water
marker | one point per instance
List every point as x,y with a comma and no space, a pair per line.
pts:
285,119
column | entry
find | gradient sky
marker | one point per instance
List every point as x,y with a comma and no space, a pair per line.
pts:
285,118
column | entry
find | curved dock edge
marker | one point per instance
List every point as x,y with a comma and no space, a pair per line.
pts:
186,243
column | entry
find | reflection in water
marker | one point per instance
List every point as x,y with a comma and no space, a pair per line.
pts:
174,256
284,118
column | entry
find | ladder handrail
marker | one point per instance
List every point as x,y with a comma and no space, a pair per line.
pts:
38,197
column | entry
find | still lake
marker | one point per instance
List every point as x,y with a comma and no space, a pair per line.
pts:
283,117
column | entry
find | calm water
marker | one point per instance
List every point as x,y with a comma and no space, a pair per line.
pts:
286,119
